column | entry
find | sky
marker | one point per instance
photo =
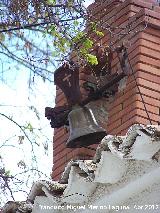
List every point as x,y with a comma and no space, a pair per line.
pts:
14,102
15,97
88,2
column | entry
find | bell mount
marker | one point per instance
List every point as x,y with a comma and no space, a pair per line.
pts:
66,78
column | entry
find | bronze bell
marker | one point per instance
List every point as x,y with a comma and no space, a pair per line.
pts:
84,129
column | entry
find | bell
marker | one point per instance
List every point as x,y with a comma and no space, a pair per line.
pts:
84,129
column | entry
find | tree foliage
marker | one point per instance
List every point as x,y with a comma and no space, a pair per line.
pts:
58,24
37,31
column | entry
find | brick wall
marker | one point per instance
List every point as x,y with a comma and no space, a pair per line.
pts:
127,107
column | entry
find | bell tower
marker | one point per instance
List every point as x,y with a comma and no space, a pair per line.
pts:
136,25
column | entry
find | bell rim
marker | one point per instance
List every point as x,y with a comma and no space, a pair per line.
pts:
86,140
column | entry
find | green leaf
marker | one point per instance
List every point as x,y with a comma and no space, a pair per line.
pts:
83,51
93,26
68,43
8,173
29,127
70,3
63,41
99,33
55,53
79,37
44,34
88,43
51,2
92,59
76,23
2,37
52,29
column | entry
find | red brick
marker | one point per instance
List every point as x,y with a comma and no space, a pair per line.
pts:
116,109
121,99
150,37
153,13
157,9
142,4
80,154
111,12
152,116
60,95
121,114
56,178
99,8
150,45
149,108
137,3
153,22
154,2
113,125
60,100
137,100
148,84
58,134
134,120
61,103
58,171
138,41
148,69
141,113
152,31
121,20
83,151
58,130
69,153
150,100
59,155
153,79
123,13
122,127
60,162
149,61
124,132
59,149
60,140
114,21
145,121
149,93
